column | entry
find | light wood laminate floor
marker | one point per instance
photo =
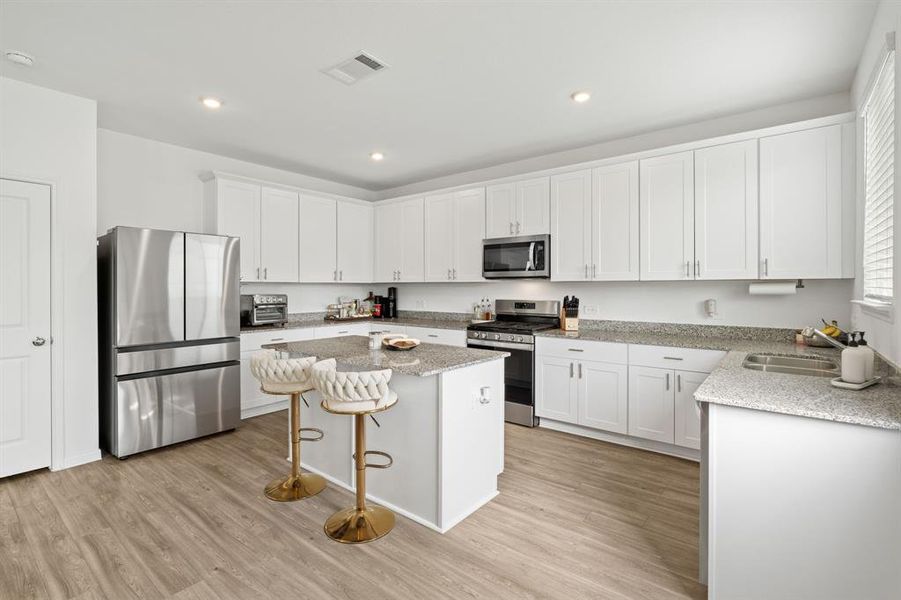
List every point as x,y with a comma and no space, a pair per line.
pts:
575,519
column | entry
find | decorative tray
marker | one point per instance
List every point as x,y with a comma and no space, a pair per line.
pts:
400,343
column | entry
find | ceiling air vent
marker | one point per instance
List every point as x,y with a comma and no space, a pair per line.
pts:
354,69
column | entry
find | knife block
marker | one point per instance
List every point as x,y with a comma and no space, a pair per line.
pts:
568,323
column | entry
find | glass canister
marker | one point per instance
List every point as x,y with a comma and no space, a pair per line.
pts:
375,339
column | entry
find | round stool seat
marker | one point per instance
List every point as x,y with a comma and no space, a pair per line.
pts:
352,392
282,375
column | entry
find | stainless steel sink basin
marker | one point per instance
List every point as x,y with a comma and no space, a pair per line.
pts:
793,365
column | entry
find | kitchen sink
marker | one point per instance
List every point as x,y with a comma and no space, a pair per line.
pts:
793,365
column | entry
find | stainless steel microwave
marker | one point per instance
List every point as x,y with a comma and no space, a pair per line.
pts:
520,257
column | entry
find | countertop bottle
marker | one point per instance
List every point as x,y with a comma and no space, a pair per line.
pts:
869,357
853,362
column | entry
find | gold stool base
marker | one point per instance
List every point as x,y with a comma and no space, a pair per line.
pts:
355,526
289,489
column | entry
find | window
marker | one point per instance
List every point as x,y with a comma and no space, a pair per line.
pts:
879,169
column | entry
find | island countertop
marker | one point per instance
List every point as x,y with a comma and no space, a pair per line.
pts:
352,352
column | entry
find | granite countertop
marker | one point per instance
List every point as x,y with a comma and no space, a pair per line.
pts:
352,352
454,324
730,384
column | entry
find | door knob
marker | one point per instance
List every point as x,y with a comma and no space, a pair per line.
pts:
38,341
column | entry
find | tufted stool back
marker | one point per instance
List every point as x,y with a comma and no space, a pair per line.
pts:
282,375
351,391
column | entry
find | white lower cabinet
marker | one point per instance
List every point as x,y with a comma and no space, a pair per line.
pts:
688,413
557,394
651,404
603,398
433,335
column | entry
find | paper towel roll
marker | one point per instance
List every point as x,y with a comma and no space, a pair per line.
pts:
773,288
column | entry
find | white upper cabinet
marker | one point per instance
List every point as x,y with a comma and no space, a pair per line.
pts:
235,209
279,256
614,254
265,218
318,239
666,197
355,241
726,216
454,229
801,205
571,226
399,250
500,210
469,231
518,208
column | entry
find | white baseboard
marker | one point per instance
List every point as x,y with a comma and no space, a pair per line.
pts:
622,440
78,459
265,409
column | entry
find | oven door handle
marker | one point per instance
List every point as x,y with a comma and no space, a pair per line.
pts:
492,345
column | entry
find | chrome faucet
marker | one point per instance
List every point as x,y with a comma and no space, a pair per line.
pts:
829,339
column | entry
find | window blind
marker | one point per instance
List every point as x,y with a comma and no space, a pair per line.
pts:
879,157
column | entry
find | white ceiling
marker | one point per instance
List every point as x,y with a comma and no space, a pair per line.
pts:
470,84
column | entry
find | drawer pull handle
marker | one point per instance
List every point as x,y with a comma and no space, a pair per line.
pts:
672,358
276,339
433,335
345,331
576,350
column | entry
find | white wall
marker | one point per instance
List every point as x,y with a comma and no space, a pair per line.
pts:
51,137
812,108
310,297
145,183
669,302
884,334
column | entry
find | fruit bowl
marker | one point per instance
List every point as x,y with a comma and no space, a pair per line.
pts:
400,343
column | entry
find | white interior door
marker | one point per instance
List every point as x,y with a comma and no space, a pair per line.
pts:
24,327
726,217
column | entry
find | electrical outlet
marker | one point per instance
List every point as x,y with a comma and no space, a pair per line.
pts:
590,310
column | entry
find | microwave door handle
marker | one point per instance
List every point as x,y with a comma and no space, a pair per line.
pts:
530,266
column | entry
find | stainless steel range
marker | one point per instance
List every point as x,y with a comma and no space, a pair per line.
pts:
514,330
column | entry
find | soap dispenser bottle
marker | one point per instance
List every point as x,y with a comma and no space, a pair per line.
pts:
853,367
869,357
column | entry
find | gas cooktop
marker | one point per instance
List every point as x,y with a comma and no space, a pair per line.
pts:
517,321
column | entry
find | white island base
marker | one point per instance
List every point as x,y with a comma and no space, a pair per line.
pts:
446,435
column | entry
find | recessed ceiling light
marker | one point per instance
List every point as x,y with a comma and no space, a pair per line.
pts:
580,97
377,156
211,103
20,58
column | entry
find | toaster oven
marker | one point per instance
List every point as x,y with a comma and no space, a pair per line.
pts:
264,309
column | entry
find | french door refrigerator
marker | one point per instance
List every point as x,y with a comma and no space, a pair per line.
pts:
169,337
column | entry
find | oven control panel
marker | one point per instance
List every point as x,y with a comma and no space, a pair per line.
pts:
510,338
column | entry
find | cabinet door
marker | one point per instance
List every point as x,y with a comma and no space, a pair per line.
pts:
571,226
603,398
500,210
726,216
279,250
354,242
251,394
412,266
556,392
687,412
439,237
533,207
651,403
238,214
614,227
469,231
801,204
389,241
666,215
318,239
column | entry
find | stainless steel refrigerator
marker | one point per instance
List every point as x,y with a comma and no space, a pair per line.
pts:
169,337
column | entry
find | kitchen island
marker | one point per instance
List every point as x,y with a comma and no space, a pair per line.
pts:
446,432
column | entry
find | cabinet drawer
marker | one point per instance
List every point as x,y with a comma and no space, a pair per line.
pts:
342,330
610,352
254,340
430,335
685,359
389,328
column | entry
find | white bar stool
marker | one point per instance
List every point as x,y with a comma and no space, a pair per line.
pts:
359,394
282,376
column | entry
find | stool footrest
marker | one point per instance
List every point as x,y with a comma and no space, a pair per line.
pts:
377,465
311,439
